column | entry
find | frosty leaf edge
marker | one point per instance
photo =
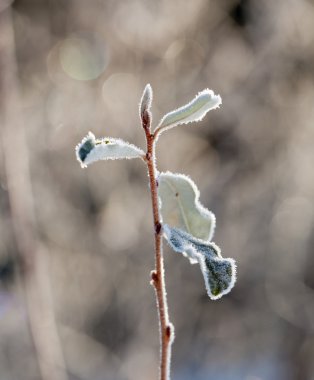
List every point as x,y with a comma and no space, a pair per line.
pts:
107,148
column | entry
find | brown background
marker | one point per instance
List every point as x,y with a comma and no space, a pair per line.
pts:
86,236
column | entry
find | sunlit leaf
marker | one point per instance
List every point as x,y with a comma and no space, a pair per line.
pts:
180,206
204,101
219,273
107,148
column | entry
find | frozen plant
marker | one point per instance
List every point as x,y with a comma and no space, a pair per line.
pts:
178,214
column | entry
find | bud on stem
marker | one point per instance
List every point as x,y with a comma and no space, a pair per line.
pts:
145,105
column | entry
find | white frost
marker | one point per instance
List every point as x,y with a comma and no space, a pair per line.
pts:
108,148
146,100
219,273
180,206
204,101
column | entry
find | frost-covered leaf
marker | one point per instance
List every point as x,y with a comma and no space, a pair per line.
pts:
107,148
146,100
180,206
219,273
204,101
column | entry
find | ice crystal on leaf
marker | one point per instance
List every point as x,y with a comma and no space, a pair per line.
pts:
107,148
219,273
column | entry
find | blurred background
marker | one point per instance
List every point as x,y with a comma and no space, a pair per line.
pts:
76,246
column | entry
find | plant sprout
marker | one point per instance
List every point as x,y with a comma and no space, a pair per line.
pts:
178,215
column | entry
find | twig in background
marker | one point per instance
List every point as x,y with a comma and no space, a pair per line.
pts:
32,256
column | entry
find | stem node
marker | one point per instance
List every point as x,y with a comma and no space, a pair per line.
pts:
154,277
158,228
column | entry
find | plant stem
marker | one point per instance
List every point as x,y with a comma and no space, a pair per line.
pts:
158,281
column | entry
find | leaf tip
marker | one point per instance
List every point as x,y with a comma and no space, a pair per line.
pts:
83,149
220,275
210,100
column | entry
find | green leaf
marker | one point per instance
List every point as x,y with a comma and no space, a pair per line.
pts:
180,206
107,148
219,273
204,101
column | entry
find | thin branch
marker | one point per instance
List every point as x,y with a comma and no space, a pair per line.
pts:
165,327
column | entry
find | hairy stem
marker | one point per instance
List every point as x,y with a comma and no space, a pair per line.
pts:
158,281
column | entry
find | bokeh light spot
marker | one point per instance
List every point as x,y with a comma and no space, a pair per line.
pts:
83,58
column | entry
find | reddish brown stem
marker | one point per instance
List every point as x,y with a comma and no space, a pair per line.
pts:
165,327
